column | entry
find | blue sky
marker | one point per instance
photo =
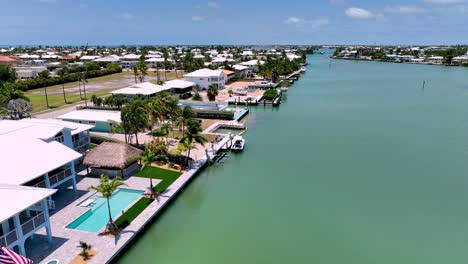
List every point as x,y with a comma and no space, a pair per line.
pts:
104,22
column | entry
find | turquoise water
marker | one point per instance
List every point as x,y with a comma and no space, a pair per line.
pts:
97,216
357,166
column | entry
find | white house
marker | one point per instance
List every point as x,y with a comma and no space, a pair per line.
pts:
129,60
112,59
38,156
102,120
146,89
206,77
242,70
252,64
25,210
29,72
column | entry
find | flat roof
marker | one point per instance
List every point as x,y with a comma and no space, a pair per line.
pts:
146,88
75,128
92,115
25,158
204,73
16,199
178,84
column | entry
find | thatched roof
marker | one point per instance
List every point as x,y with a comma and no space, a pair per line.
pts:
112,155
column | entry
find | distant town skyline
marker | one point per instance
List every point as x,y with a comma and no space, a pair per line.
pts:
190,22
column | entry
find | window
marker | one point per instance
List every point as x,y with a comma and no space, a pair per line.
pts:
92,122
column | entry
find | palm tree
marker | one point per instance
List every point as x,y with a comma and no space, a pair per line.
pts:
212,92
165,55
146,160
188,142
184,116
155,110
63,73
162,131
84,81
143,69
106,188
85,248
135,72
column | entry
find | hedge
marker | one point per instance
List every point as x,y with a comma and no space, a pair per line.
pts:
214,114
36,83
270,94
127,217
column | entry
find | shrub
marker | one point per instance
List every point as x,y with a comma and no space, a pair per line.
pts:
36,83
270,94
215,114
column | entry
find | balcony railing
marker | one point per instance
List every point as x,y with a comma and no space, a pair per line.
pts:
80,143
56,178
33,223
9,238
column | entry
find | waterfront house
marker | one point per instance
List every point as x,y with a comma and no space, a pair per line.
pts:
145,89
242,70
36,160
180,88
102,120
460,59
25,210
252,64
229,74
435,60
206,77
113,159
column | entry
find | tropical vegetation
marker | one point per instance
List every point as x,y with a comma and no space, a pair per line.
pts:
106,188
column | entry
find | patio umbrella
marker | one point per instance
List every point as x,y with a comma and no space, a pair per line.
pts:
8,256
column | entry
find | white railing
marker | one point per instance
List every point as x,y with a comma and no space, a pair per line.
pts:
33,223
56,178
80,142
9,238
38,206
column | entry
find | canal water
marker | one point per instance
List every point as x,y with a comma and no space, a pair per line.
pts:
360,166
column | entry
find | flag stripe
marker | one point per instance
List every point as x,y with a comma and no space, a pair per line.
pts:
10,257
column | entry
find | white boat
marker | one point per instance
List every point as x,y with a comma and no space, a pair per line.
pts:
238,144
303,69
284,89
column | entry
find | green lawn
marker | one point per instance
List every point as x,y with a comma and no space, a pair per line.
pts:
167,176
128,216
37,97
56,100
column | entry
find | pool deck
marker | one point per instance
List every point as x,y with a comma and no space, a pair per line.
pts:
66,240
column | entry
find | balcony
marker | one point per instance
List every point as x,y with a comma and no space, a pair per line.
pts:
80,143
29,226
9,238
33,223
56,178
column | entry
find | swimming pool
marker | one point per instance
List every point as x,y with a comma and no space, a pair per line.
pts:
97,216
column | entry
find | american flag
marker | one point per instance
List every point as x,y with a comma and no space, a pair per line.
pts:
8,256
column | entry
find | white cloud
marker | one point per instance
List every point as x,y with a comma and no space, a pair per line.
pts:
444,1
457,9
356,12
198,18
313,23
213,4
404,9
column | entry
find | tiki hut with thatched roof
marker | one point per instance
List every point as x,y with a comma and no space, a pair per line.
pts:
113,159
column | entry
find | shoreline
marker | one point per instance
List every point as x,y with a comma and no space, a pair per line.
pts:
396,62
